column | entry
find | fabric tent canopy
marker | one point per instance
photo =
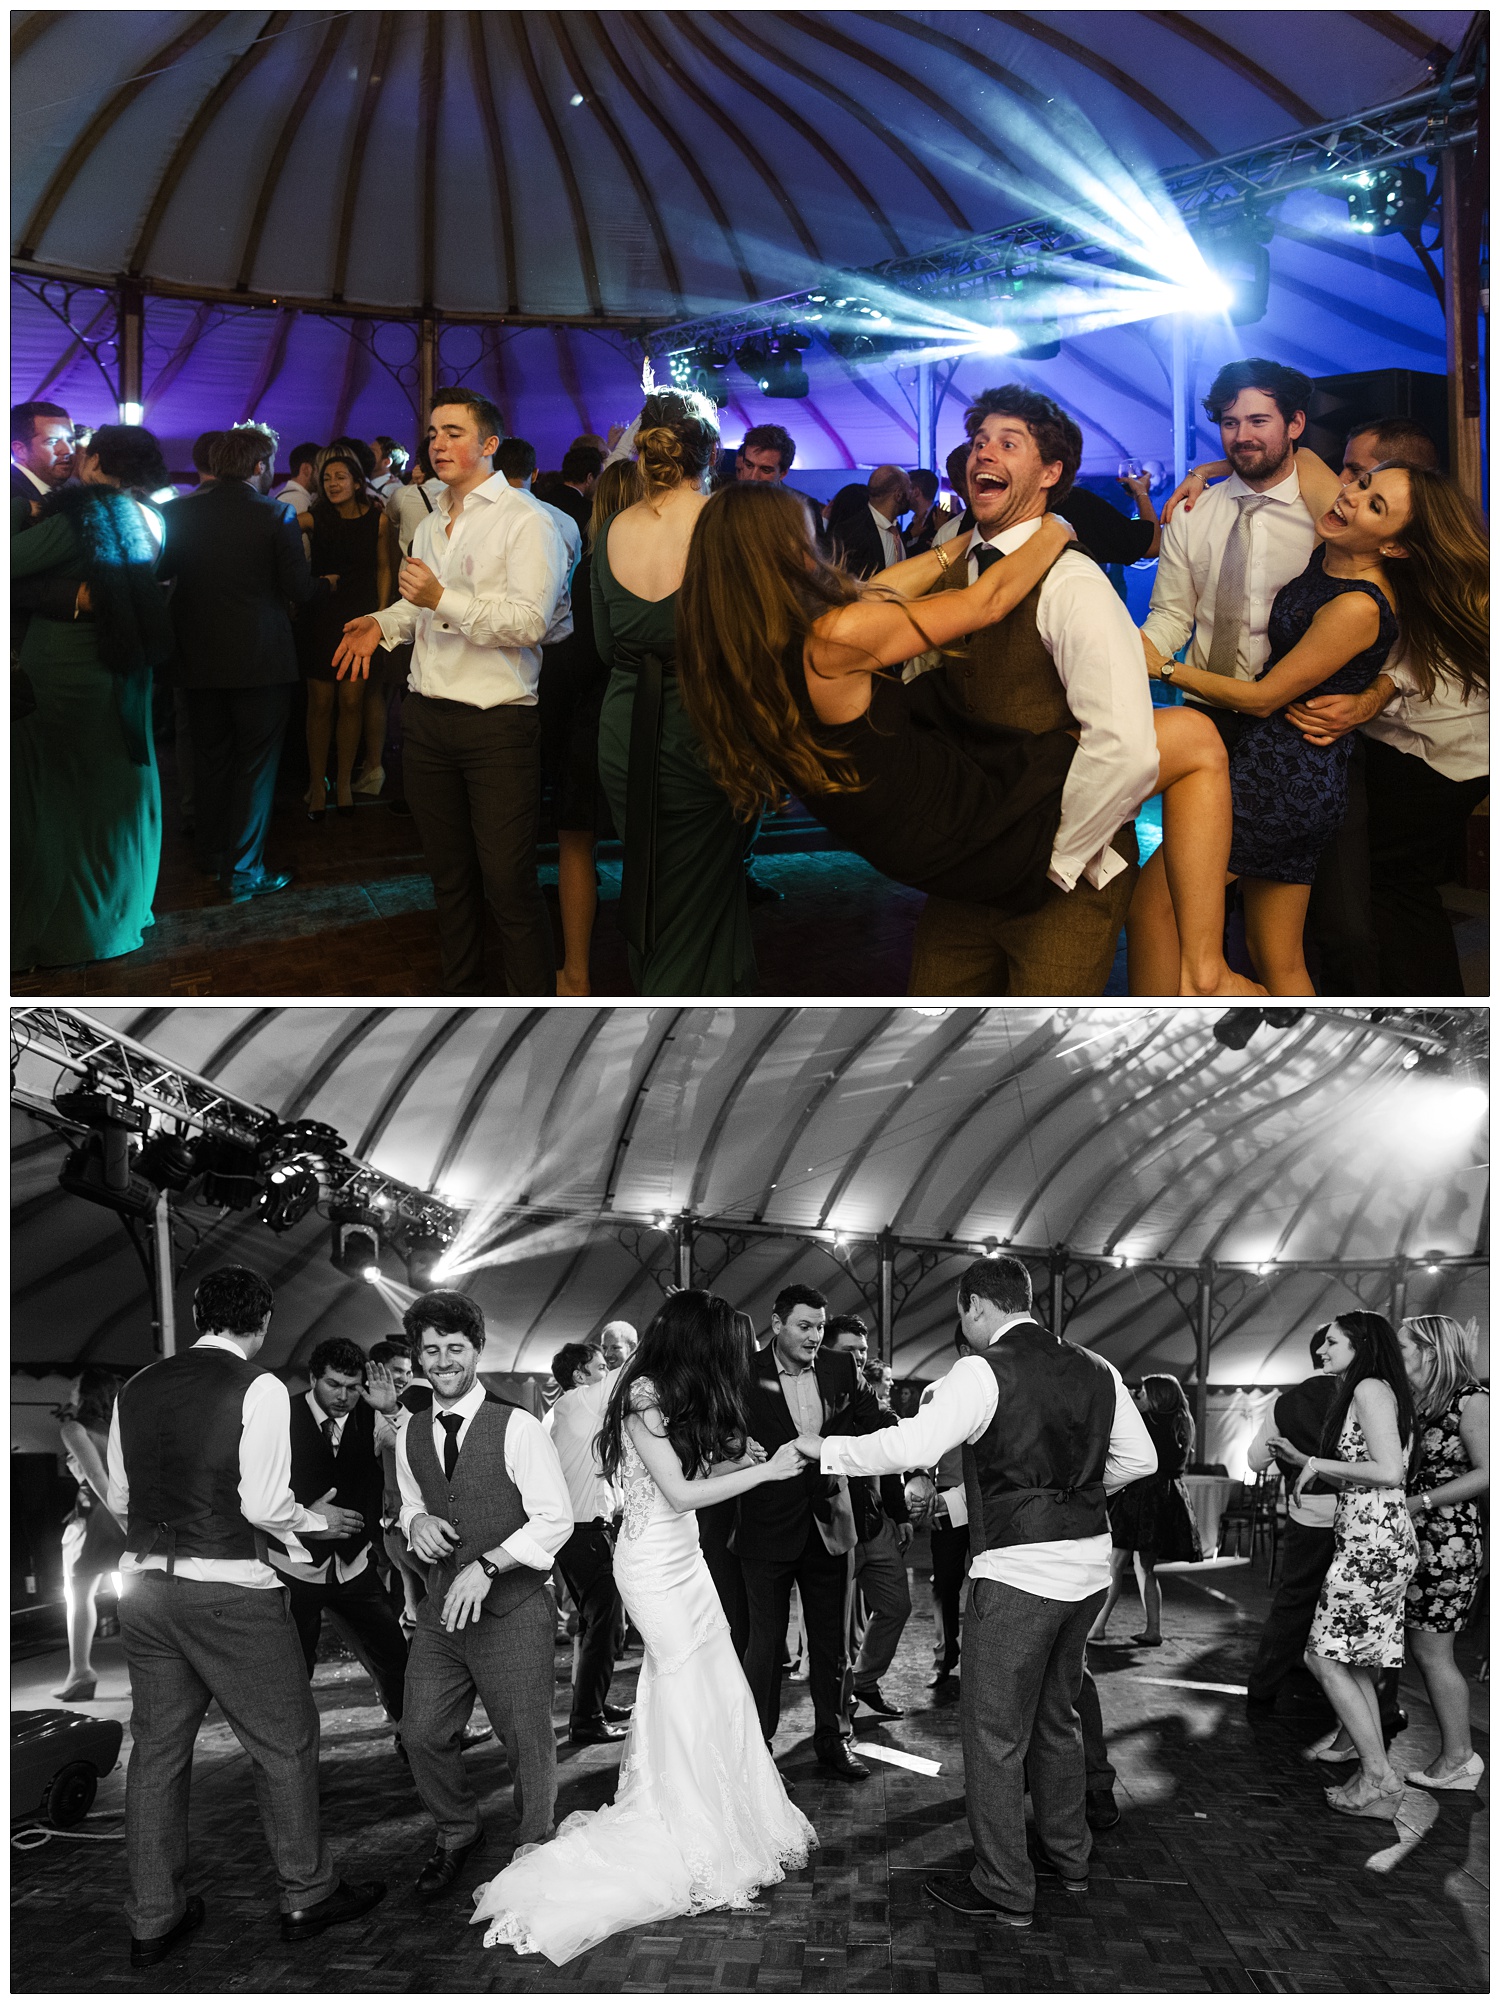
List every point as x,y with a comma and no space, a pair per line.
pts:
598,171
1120,1134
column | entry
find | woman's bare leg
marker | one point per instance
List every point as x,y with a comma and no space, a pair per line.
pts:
1153,952
578,898
1274,917
1197,822
350,728
374,725
319,729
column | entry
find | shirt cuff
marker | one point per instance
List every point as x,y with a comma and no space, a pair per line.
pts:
529,1552
1099,871
956,1502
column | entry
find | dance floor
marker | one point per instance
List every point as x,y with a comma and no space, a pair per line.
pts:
1226,1872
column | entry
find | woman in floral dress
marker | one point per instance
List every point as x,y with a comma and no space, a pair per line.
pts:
1357,1630
1451,1474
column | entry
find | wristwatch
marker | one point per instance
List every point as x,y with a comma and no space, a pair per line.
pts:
1167,669
488,1566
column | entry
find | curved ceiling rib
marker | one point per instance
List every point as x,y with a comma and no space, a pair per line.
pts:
31,30
727,67
1412,40
103,121
484,91
391,1099
625,1125
375,76
703,1167
831,1079
359,1032
1224,52
1088,59
474,1101
312,83
271,364
521,42
584,85
686,158
182,155
432,100
647,36
734,24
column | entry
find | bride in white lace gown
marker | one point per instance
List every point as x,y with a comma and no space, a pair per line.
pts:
701,1818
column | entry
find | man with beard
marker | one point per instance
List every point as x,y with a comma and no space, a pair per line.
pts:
1066,659
1222,564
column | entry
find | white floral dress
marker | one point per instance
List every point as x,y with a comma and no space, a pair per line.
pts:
701,1818
1361,1617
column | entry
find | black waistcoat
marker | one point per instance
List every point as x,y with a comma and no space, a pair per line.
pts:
354,1474
1037,1472
180,1427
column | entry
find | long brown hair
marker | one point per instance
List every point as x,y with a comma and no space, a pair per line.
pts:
751,591
618,486
1441,586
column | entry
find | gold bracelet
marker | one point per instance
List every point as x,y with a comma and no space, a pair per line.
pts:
943,558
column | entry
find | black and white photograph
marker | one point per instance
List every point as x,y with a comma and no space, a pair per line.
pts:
744,1457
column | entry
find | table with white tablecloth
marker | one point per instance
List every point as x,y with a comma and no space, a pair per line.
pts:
1209,1496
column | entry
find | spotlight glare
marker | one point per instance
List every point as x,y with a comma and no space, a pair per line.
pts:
1471,1100
370,1273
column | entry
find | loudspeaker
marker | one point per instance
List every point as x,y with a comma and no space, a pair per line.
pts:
1339,403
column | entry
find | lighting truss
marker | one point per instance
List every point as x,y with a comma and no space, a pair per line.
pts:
1324,156
123,1069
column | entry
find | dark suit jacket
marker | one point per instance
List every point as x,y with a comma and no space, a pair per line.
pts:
237,559
354,1474
776,1518
859,539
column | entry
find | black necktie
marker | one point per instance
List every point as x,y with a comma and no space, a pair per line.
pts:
985,556
450,1423
330,1434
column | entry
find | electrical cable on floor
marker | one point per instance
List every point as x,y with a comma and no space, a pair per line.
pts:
40,1836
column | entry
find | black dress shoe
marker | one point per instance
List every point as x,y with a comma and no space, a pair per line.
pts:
955,1890
939,1678
1070,1883
474,1736
1100,1809
443,1867
759,892
873,1702
596,1733
157,1947
242,886
615,1713
348,1900
839,1760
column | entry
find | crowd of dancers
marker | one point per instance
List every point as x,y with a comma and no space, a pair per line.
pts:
680,646
688,1483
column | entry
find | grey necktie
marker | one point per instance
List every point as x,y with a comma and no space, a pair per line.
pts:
1230,593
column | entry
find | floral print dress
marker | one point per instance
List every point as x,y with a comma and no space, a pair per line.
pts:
1450,1538
1362,1609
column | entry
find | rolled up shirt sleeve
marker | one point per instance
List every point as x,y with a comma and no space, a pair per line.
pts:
1131,1453
266,1468
412,1503
1097,653
531,1463
960,1409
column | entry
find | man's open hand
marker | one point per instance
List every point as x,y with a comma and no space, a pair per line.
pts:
355,651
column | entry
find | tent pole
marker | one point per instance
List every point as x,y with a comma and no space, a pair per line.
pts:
1205,1338
683,1234
1461,184
427,359
1398,1293
885,1335
1057,1261
1183,439
926,418
166,1323
131,309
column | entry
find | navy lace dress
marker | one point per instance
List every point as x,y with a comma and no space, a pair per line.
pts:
1290,796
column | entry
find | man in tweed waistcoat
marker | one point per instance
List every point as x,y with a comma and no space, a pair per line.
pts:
484,1506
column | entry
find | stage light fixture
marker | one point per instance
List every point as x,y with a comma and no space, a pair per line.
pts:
356,1241
289,1194
1235,1029
1236,252
88,1173
774,363
111,1124
168,1160
424,1253
232,1172
1043,342
704,369
1383,200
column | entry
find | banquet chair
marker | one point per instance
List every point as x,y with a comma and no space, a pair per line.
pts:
1253,1514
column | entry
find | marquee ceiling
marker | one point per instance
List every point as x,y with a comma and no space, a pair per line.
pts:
601,167
1124,1134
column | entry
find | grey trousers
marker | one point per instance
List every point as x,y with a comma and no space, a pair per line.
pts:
880,1575
1023,1666
188,1642
508,1661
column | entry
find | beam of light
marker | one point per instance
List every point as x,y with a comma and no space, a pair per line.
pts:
528,1242
396,1295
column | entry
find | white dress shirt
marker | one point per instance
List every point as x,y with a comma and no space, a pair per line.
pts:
531,1463
1187,570
890,537
318,1571
1314,1513
266,1498
408,509
1083,624
562,616
501,571
573,1424
1442,730
960,1410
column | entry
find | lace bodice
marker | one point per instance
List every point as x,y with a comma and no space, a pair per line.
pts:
636,1479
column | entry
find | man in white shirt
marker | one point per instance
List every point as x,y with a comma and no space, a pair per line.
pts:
1047,1431
1067,659
390,465
478,593
41,450
199,1461
298,489
484,1506
618,1340
586,1561
516,459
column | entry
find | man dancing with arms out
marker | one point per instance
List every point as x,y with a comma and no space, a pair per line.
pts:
1047,1430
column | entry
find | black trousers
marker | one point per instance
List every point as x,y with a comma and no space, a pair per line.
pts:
950,1561
364,1617
237,738
1417,822
473,782
1338,936
1305,1556
822,1577
715,1528
586,1562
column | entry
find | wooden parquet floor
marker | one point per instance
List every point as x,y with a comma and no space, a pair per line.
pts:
1227,1873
